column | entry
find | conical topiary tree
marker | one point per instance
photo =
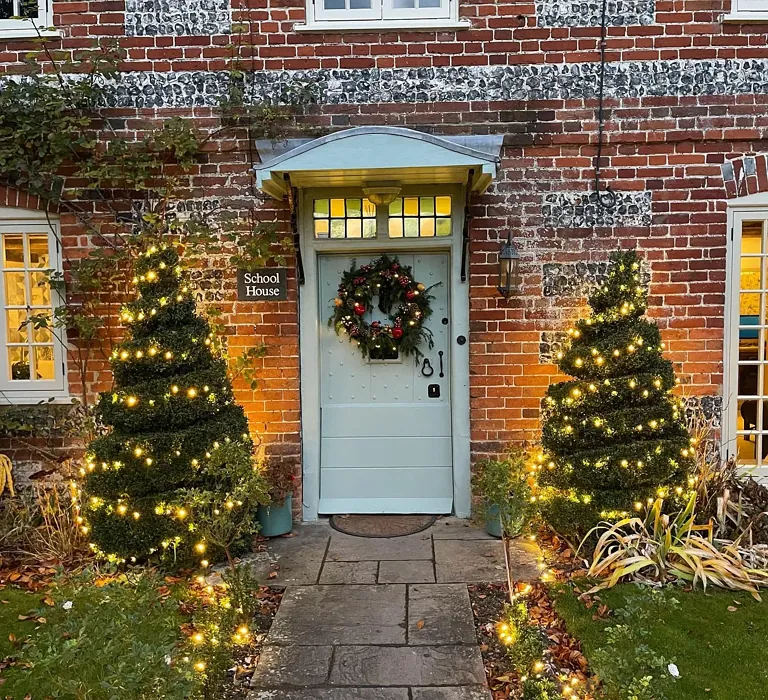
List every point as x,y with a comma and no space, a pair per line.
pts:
171,407
613,437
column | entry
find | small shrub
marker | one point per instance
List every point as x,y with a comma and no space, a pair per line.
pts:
541,689
503,484
524,641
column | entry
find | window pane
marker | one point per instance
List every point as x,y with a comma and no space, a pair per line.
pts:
443,206
396,208
42,335
403,4
411,228
354,228
6,9
337,208
411,206
338,229
359,4
16,328
13,250
321,228
354,208
369,228
334,5
369,209
38,252
427,228
44,367
443,227
39,289
15,289
427,206
429,3
18,362
321,208
29,8
395,228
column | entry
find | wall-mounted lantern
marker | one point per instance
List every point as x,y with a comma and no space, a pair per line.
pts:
509,269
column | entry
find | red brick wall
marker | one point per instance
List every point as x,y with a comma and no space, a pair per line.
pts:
672,146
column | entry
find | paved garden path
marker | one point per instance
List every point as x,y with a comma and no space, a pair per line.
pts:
378,619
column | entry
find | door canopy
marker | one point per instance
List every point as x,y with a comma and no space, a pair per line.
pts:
366,154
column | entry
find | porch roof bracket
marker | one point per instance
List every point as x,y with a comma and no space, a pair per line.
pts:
377,153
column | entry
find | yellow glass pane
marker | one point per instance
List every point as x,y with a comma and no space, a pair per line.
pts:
44,367
396,207
426,228
39,289
15,289
354,228
369,209
18,363
752,238
443,227
322,227
16,325
749,305
411,206
38,251
13,250
395,228
369,228
443,206
42,335
337,208
321,208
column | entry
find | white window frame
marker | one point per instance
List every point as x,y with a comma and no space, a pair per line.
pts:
14,220
382,16
750,208
22,28
748,11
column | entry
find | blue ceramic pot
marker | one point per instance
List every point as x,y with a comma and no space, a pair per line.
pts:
492,521
276,520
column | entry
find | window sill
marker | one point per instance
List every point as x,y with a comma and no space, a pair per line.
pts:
403,25
746,18
28,33
38,398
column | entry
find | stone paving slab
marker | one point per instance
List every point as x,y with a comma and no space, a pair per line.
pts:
440,614
332,694
457,529
413,666
297,560
466,692
298,666
322,615
469,561
406,572
347,548
339,572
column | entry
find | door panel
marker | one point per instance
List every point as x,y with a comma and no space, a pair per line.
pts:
385,443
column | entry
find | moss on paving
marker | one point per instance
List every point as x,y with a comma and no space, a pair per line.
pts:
722,654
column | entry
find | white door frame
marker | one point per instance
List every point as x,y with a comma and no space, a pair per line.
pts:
309,328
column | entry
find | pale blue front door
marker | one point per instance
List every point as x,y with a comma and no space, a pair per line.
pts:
385,441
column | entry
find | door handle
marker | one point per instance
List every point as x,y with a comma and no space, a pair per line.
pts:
461,340
427,370
440,354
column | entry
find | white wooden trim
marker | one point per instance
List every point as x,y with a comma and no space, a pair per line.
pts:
747,11
22,28
382,17
442,12
425,25
309,351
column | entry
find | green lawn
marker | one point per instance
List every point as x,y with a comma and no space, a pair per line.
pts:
722,654
114,641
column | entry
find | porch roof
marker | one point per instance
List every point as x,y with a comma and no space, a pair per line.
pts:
353,157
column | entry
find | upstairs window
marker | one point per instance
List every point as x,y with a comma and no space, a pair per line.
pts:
745,10
370,14
24,17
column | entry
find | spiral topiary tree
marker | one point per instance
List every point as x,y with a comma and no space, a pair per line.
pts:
614,437
171,407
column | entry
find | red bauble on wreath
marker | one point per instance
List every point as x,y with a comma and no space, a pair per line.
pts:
405,301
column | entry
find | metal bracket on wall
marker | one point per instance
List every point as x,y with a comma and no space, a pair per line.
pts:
294,208
465,231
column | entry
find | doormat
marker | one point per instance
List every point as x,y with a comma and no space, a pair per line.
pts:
381,525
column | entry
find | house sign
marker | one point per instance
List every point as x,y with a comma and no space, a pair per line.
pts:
268,284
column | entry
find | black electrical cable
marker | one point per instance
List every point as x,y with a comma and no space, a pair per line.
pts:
601,112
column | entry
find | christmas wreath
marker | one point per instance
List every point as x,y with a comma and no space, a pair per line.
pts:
393,284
